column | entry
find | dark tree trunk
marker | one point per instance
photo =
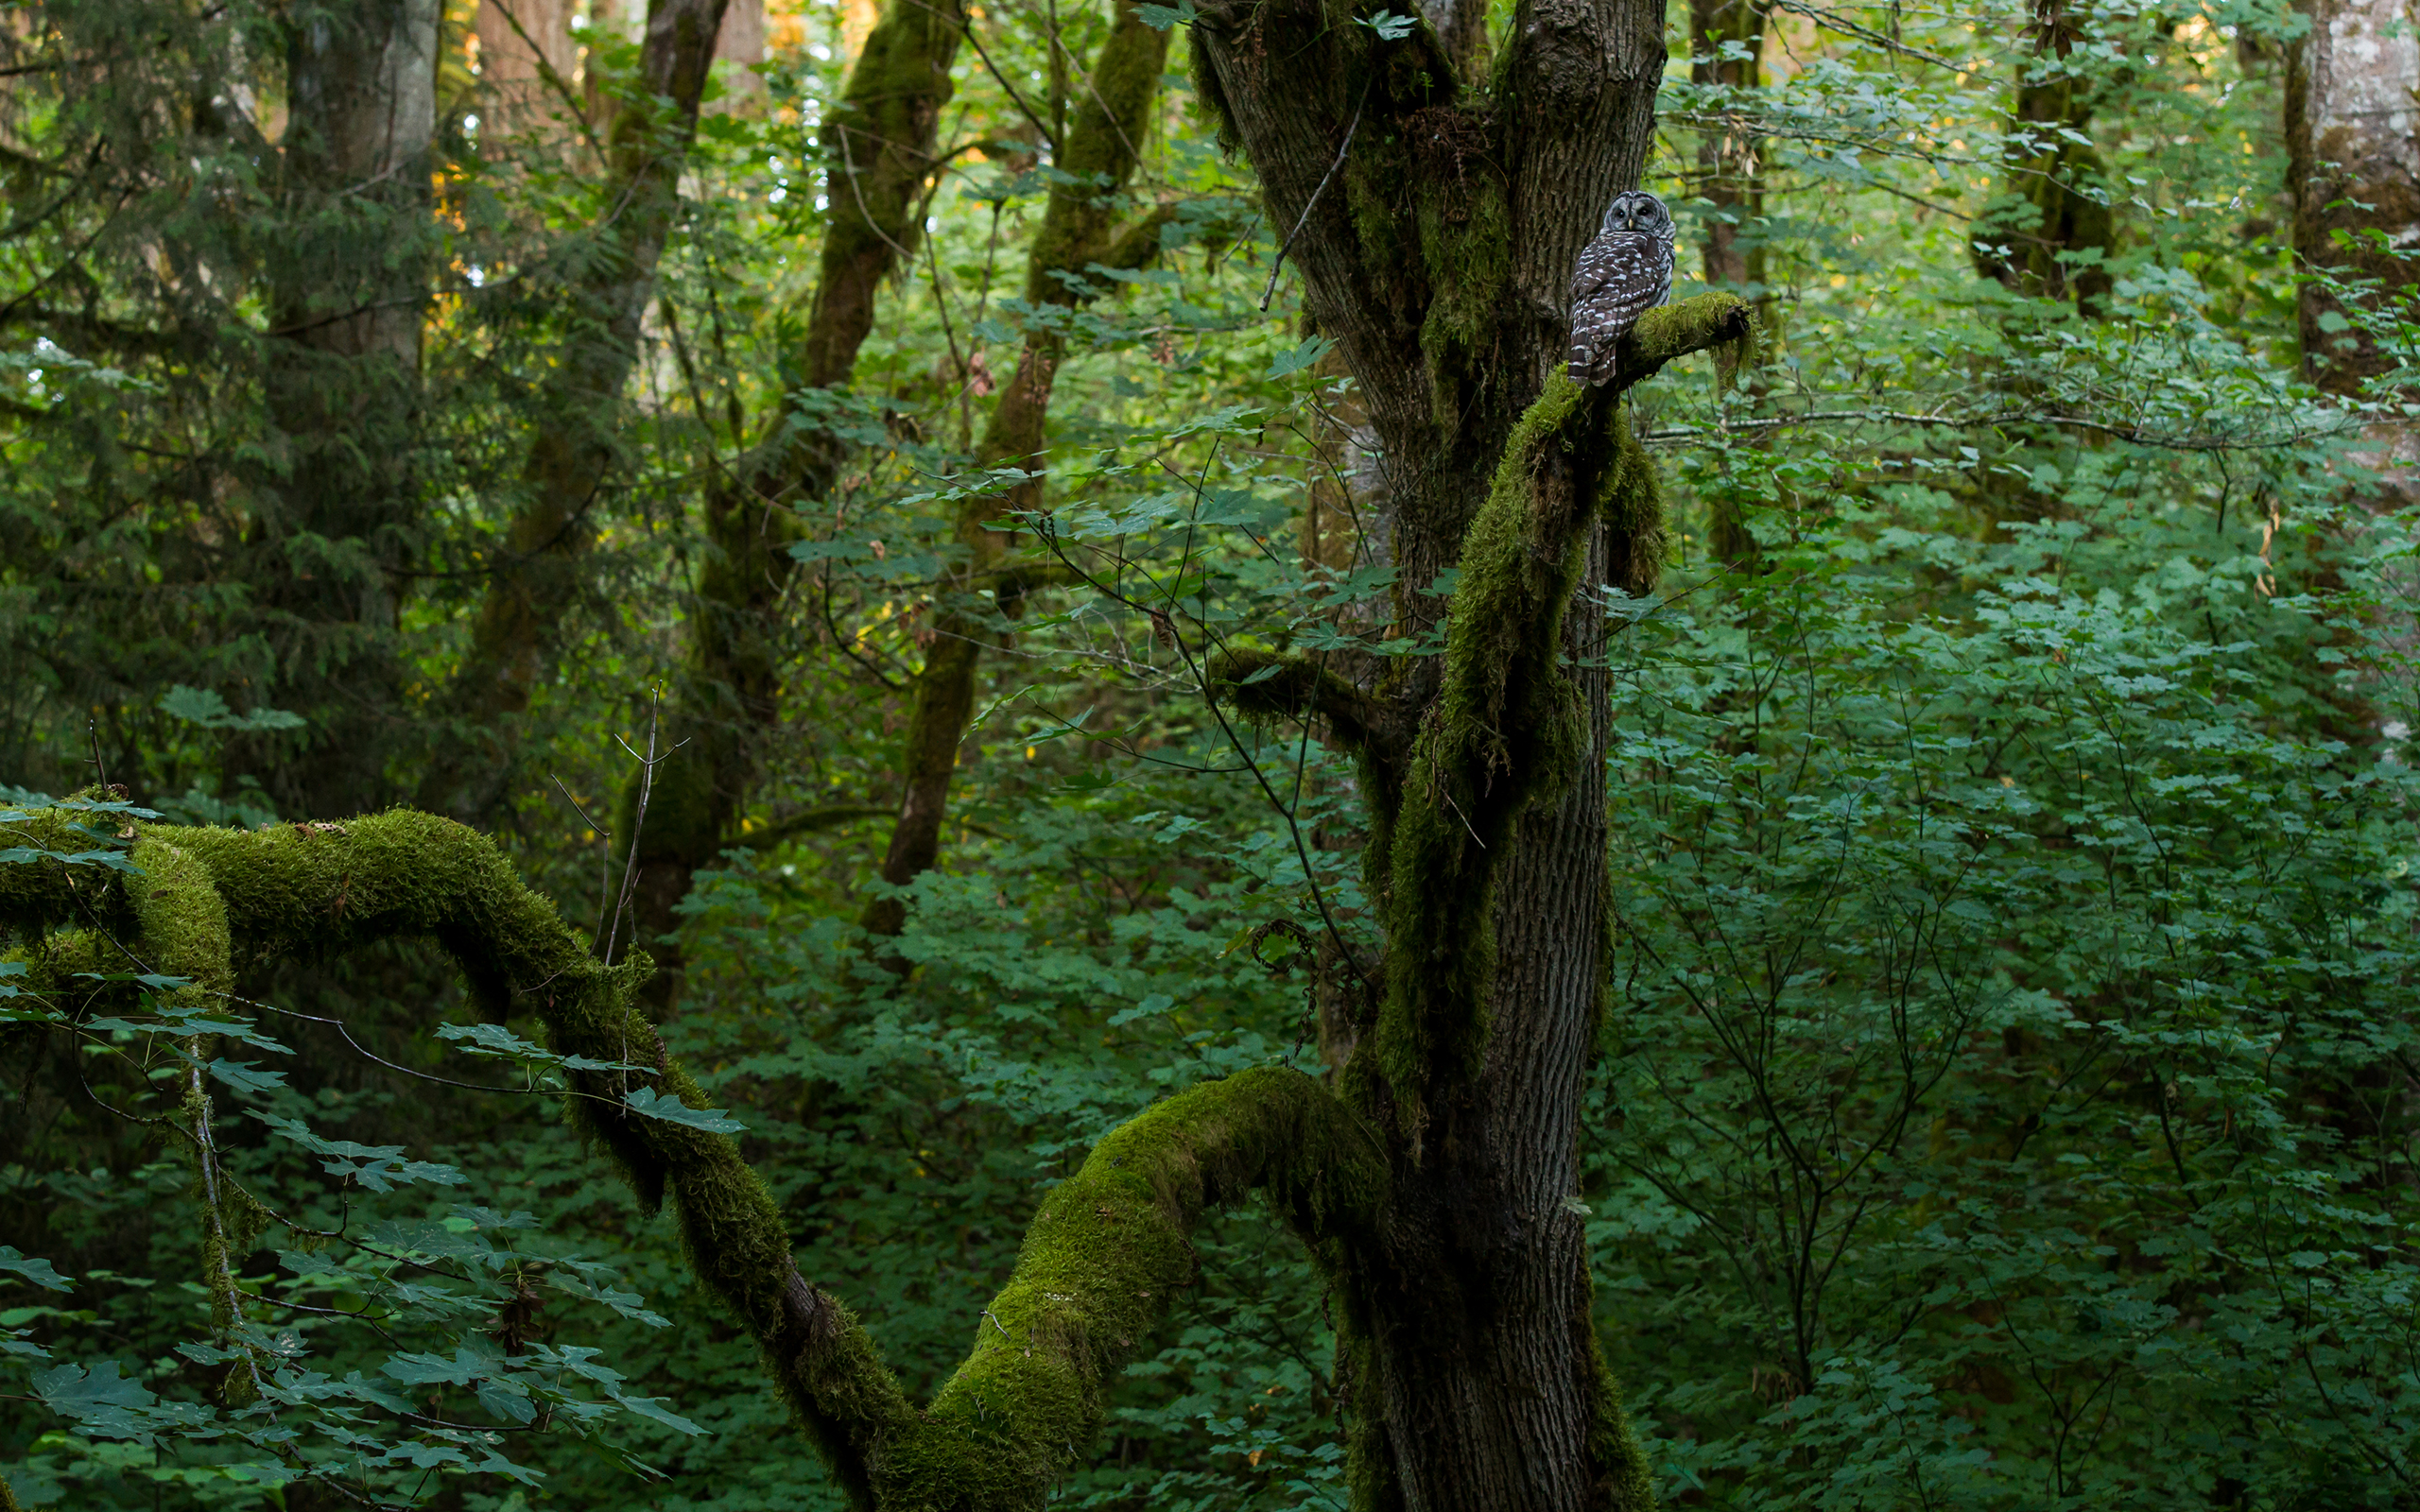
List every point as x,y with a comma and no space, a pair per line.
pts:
1079,229
2052,204
351,286
535,583
881,139
1439,261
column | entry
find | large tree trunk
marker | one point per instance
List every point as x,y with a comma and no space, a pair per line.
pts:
2351,117
351,286
1468,1333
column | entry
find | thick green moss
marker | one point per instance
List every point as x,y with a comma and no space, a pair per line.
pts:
1504,731
1103,1263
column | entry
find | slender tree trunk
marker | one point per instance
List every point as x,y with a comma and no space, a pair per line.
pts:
1727,40
535,580
1078,228
2052,204
881,144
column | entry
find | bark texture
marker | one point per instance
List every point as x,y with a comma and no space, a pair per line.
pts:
526,58
2351,119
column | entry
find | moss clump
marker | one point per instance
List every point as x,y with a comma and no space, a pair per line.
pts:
1102,1263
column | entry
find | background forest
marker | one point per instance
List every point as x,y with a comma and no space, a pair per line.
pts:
835,466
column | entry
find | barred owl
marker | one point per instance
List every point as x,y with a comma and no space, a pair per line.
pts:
1625,272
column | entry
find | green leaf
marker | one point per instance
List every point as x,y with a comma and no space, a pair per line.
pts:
200,706
1160,18
648,1103
240,1076
35,1270
1300,358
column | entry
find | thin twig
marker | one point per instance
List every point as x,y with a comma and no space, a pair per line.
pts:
1269,293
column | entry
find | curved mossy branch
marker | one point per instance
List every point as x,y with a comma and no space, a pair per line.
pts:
1506,728
1266,686
1102,1264
1721,323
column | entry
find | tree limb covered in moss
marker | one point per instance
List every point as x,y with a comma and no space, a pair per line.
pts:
1505,729
1102,1263
1266,686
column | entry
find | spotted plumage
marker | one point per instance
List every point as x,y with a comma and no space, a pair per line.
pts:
1625,272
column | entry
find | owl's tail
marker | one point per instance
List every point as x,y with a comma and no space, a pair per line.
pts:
1591,366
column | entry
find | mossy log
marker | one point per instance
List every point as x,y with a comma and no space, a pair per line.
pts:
1105,1260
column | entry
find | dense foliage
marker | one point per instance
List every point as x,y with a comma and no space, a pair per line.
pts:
2007,1064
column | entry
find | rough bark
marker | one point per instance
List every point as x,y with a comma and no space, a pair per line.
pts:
880,141
526,60
2351,120
1442,269
337,509
534,580
2053,200
1081,226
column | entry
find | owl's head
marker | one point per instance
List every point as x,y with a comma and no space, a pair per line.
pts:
1637,209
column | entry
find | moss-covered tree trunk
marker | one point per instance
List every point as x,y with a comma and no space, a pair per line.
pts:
1439,260
1436,1181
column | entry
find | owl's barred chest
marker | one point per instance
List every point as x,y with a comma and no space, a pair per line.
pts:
1620,275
